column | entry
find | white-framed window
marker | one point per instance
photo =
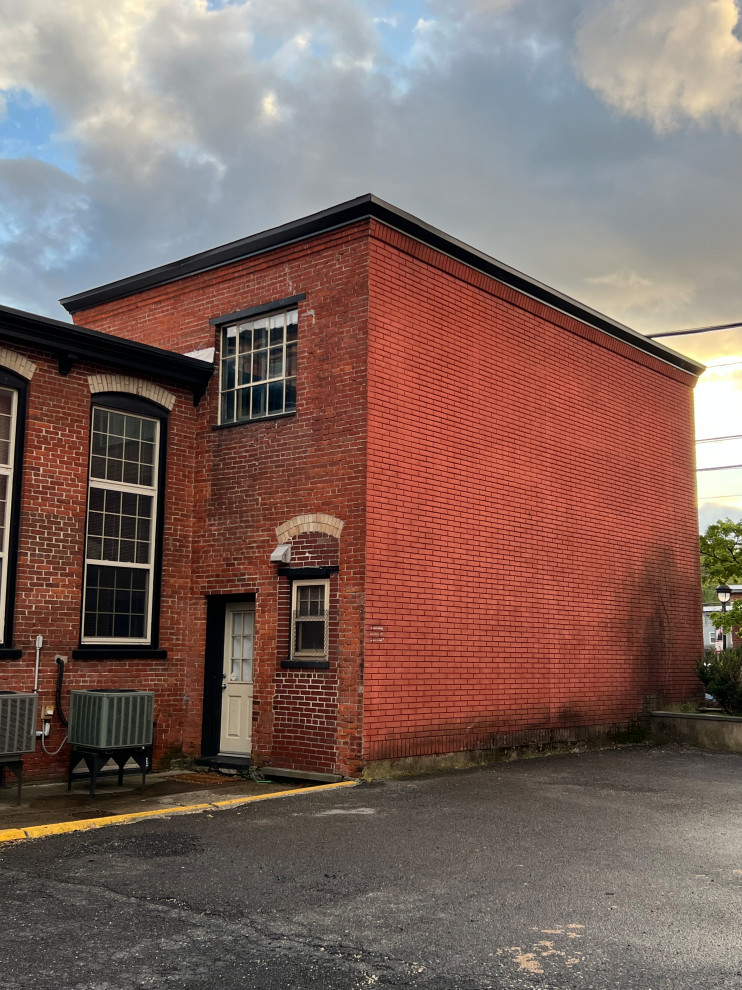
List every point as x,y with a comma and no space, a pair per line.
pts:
309,620
258,367
8,429
121,527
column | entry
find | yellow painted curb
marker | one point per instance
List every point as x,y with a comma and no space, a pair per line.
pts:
39,831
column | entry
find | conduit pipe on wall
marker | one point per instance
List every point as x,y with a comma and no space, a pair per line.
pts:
39,644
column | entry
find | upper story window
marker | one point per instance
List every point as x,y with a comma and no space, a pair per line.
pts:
258,367
124,521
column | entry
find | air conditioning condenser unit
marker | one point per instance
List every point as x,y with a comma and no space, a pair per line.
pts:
17,722
111,719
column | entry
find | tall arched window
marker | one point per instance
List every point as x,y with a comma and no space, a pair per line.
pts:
12,421
124,522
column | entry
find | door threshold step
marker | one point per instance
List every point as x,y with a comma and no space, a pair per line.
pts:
320,778
225,762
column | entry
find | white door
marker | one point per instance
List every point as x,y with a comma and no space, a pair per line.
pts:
236,729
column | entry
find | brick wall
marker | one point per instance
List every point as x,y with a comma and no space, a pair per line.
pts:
50,560
532,557
251,478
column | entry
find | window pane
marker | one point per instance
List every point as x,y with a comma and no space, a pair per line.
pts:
275,366
259,366
277,323
228,407
291,360
275,397
290,403
310,635
6,402
243,404
245,331
133,428
260,334
292,320
244,375
229,338
227,374
258,400
116,424
3,506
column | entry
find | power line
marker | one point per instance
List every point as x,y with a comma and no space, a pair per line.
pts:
727,364
683,333
737,436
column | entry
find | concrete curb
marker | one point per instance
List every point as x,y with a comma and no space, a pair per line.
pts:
41,831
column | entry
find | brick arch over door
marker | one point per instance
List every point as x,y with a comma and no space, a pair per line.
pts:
310,522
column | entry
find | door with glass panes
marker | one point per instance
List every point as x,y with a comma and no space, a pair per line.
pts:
237,680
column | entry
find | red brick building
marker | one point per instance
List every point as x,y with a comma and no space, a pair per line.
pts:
424,504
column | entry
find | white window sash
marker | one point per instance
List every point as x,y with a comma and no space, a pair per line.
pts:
150,490
8,472
324,619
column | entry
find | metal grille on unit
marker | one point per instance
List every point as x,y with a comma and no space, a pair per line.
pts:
111,719
17,722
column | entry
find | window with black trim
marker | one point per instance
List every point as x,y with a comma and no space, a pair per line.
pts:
124,522
309,620
12,417
258,367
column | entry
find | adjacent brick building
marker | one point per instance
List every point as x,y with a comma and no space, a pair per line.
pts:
424,505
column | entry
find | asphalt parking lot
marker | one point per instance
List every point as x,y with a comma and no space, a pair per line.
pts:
614,869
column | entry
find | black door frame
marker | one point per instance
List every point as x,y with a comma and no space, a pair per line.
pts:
216,610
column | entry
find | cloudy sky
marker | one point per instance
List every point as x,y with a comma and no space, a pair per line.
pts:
595,144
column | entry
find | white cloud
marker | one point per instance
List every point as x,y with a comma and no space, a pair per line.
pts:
625,294
666,61
192,124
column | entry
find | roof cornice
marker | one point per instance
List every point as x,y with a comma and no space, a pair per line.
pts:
70,344
365,208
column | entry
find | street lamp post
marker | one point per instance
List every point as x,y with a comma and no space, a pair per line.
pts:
724,594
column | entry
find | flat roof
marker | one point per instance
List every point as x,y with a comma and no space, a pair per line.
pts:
365,208
70,343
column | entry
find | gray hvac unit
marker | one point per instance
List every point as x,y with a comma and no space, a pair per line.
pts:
111,719
17,722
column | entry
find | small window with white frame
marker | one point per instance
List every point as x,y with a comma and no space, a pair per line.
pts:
258,367
122,523
309,620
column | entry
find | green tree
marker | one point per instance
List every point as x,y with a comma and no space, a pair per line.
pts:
721,563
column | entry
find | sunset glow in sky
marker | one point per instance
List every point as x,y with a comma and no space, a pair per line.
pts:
594,144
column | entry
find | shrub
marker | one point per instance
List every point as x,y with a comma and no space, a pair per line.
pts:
721,675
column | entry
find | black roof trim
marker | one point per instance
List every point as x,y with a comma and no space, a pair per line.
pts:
70,343
248,314
364,208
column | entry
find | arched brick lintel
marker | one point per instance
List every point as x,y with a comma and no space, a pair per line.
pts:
310,522
133,386
17,363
